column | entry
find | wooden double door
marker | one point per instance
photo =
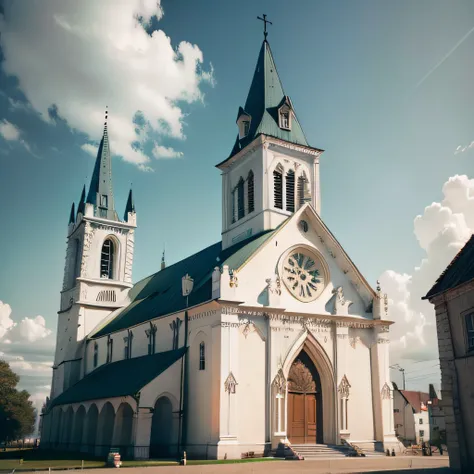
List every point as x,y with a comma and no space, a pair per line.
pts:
302,418
305,414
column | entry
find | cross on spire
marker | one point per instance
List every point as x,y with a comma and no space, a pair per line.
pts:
265,21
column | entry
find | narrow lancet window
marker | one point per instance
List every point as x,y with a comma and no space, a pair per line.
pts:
96,354
250,192
240,199
290,191
278,189
302,183
107,260
202,356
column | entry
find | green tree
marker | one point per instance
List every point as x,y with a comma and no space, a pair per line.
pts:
17,414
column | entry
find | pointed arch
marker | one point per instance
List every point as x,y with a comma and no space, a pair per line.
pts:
290,191
313,349
250,192
107,258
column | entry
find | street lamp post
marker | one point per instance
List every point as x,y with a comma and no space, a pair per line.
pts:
187,288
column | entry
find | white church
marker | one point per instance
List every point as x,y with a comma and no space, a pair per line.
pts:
269,338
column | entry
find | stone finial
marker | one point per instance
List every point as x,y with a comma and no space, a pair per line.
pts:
216,283
380,306
341,305
273,289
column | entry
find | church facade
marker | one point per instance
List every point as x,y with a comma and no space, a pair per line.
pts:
270,337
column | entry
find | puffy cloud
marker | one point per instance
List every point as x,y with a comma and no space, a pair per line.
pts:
6,323
165,152
9,131
26,331
99,53
442,230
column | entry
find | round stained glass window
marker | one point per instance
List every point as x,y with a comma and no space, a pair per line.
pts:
303,274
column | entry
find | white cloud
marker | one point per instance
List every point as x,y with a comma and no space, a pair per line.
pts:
9,131
165,152
462,149
33,329
6,323
90,148
442,230
98,53
27,330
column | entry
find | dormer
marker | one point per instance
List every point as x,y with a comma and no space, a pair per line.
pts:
285,114
243,122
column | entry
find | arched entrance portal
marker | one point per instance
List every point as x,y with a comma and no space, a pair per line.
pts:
305,402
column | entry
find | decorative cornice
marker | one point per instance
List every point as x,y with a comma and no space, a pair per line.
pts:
453,293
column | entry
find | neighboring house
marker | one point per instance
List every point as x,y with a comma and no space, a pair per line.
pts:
403,417
437,423
282,340
411,415
453,299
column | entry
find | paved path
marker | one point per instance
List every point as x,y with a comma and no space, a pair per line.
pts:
416,464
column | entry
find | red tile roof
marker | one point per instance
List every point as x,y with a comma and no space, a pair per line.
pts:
417,400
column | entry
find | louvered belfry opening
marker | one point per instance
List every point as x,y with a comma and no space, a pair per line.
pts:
250,192
278,189
107,260
290,191
240,199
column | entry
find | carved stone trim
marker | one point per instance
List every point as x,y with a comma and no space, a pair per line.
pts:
353,341
202,315
300,378
344,387
279,382
385,392
230,383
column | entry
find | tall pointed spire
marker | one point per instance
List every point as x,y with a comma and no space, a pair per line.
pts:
130,207
266,96
82,201
101,192
72,215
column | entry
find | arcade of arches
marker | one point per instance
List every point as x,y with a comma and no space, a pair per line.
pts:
94,431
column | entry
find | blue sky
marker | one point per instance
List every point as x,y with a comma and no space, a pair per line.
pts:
353,72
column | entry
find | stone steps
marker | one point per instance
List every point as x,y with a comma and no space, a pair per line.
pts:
316,451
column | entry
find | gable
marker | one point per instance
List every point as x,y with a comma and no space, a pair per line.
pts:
329,262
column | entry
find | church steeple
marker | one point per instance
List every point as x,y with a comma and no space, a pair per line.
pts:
101,194
72,217
267,109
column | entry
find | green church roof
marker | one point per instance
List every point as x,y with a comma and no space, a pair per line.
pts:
266,96
161,293
119,379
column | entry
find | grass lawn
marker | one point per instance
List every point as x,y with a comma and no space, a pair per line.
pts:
42,460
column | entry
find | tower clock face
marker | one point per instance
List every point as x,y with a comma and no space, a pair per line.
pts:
303,274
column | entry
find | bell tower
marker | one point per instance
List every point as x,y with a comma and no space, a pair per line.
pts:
272,170
98,269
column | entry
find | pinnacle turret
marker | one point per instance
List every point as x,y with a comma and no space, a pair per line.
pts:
130,207
72,215
82,202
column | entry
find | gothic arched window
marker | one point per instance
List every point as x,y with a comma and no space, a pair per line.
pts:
278,188
250,192
107,260
290,191
202,356
240,199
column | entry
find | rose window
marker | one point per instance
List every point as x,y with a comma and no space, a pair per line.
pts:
303,275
